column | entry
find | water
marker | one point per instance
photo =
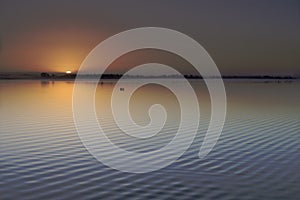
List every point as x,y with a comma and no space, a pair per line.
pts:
256,157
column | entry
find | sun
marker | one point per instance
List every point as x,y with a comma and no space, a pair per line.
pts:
68,72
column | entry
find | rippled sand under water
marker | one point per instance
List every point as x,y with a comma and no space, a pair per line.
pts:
256,157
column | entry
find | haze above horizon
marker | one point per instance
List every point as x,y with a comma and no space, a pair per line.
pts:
256,37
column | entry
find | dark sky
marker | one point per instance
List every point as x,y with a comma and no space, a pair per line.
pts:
243,37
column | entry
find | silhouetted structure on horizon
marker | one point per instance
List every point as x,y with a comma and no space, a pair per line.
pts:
45,75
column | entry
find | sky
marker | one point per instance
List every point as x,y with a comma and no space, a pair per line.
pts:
244,37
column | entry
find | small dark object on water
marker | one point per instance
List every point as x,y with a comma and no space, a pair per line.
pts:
122,89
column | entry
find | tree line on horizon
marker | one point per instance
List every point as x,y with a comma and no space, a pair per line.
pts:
189,76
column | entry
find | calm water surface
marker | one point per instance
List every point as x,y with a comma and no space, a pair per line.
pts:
256,157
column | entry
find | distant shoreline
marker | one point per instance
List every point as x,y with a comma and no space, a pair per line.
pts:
49,77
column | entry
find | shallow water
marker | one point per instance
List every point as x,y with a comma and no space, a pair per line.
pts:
256,157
